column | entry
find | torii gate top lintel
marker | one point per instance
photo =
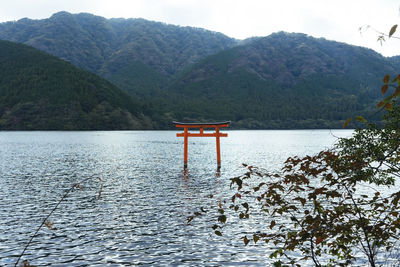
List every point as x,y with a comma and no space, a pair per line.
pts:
201,124
217,134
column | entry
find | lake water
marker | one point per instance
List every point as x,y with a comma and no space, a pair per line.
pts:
146,198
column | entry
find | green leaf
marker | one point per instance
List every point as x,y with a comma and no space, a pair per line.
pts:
246,206
392,30
222,218
279,264
218,233
361,119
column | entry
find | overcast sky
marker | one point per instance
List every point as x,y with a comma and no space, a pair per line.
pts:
338,20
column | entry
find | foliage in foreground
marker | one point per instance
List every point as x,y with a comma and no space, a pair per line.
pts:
334,207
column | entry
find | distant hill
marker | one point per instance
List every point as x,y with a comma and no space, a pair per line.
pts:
137,55
284,80
41,92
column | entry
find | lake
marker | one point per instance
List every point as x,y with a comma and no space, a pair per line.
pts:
145,198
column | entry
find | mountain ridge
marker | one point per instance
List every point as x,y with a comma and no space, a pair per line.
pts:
282,80
104,46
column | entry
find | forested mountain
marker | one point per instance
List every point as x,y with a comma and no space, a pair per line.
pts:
41,92
137,55
396,61
284,80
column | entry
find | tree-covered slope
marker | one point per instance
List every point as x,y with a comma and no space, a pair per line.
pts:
395,60
41,92
137,55
282,81
182,73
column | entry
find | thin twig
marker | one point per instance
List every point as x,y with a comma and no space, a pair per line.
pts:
47,217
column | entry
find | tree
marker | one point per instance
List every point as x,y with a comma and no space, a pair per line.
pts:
335,205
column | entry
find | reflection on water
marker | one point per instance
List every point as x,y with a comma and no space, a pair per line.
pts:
146,198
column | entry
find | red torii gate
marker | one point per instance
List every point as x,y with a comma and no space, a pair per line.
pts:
186,134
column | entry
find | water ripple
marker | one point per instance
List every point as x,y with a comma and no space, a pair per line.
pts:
141,215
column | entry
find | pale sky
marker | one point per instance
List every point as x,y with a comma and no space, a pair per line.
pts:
337,20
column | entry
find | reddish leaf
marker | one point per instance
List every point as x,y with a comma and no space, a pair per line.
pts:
386,78
273,223
27,264
346,123
100,190
384,89
246,240
319,240
256,238
49,225
380,104
397,92
302,200
388,106
397,79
